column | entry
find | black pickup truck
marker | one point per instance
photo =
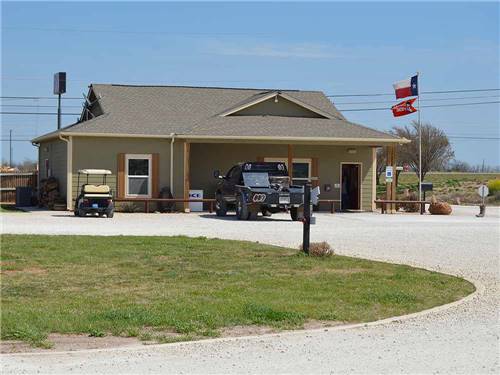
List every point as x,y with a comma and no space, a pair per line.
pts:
254,187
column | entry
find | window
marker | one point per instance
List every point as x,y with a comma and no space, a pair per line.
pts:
138,175
301,169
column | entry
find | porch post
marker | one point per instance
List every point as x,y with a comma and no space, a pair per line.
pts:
390,187
290,162
394,178
187,151
69,174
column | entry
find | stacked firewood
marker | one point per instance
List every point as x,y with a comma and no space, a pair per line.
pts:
49,193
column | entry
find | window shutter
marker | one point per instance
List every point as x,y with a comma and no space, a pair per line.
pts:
120,176
155,167
315,171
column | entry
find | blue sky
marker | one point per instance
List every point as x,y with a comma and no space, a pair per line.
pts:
339,48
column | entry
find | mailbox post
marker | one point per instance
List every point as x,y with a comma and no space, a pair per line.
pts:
307,218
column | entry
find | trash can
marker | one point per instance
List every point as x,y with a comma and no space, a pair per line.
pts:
196,206
23,196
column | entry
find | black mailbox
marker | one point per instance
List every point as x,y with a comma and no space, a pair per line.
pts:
426,186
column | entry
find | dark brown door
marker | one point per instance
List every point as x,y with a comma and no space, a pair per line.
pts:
350,187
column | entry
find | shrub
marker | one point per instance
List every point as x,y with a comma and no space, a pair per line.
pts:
128,207
319,249
413,207
494,185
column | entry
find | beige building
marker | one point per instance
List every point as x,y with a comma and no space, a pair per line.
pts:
155,138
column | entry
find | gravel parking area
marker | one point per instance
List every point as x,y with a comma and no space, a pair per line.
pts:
461,339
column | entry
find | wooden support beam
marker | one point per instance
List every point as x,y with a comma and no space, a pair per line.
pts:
390,187
394,179
290,161
187,154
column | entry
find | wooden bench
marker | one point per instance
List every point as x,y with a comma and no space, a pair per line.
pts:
146,201
383,203
331,202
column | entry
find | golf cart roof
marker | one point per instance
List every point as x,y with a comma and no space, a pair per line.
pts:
94,171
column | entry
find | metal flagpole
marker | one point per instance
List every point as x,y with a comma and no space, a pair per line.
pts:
419,142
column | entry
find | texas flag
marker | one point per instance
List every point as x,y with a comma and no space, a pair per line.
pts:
404,108
406,87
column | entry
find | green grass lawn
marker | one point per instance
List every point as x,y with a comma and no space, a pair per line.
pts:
179,288
448,187
9,208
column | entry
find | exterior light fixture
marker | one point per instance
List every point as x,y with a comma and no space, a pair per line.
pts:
351,150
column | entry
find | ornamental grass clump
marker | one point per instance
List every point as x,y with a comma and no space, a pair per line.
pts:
319,249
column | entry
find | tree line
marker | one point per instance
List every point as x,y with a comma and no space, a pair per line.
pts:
437,152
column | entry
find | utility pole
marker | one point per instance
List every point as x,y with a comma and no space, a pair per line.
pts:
58,111
10,148
59,88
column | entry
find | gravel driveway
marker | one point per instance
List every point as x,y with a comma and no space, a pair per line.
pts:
461,339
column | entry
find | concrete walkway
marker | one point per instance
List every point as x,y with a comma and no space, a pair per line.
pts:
461,339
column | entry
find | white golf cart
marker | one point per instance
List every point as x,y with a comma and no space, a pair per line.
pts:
94,198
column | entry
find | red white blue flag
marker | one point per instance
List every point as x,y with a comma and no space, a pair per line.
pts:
406,87
404,108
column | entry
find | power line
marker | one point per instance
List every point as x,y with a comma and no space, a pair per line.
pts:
423,106
38,106
423,92
131,31
424,100
39,97
38,113
476,138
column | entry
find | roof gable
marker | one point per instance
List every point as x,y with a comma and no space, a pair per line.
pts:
276,104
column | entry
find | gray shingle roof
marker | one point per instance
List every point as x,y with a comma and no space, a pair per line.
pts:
162,110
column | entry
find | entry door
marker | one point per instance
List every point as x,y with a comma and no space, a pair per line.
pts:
350,187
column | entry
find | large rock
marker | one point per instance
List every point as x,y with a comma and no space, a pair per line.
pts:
440,208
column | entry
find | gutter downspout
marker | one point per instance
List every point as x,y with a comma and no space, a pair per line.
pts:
69,170
172,136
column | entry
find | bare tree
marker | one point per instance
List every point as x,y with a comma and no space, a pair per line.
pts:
436,147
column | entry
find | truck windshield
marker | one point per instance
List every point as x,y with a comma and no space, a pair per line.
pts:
254,179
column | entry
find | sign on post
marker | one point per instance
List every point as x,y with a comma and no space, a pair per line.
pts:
389,173
483,191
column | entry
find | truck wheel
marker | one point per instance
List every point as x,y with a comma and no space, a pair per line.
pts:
242,212
297,213
220,206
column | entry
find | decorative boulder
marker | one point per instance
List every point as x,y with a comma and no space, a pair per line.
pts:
440,208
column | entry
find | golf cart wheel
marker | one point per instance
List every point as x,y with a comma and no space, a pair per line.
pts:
220,206
75,212
110,214
81,213
297,213
242,212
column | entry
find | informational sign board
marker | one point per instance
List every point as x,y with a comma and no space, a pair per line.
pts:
196,206
483,191
389,173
